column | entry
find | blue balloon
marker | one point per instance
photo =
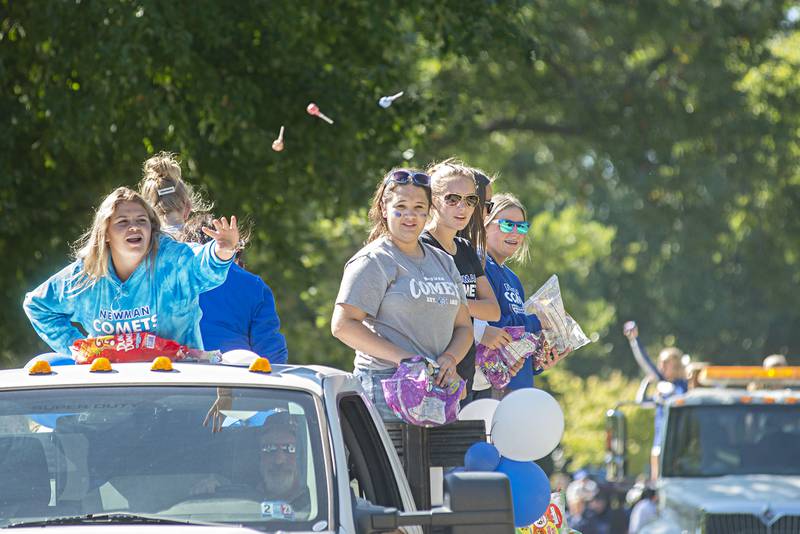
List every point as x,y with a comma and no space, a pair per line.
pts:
482,456
530,490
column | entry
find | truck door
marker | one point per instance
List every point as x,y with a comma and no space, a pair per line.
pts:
369,470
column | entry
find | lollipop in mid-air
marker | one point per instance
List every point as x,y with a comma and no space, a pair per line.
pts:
313,109
386,101
277,144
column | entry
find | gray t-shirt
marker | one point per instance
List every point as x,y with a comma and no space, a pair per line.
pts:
411,302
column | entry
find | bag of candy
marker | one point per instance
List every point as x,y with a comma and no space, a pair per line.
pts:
495,363
413,395
492,366
130,347
559,328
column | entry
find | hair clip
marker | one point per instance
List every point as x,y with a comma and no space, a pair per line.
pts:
166,191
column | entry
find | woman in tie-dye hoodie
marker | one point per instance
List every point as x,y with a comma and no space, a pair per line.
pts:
130,277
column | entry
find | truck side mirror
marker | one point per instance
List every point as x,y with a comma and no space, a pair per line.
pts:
616,439
474,503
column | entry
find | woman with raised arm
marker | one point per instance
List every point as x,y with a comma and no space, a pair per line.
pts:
455,206
400,297
129,277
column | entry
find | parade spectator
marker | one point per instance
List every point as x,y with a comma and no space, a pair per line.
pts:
670,378
454,207
240,313
579,493
644,511
775,360
130,277
400,297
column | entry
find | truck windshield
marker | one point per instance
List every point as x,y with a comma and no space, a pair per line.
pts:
257,461
703,441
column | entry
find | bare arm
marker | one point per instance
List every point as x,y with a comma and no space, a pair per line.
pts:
457,349
485,307
347,327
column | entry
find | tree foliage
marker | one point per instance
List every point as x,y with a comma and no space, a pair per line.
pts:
655,144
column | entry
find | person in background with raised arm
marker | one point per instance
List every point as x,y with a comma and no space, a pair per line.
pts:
669,376
455,206
240,313
400,297
129,277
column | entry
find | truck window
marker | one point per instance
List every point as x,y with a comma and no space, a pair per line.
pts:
739,439
145,450
370,472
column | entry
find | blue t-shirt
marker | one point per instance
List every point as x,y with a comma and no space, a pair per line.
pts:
241,314
160,298
511,298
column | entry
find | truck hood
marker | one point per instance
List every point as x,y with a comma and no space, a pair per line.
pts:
733,493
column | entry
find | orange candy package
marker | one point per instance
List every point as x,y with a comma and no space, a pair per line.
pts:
131,347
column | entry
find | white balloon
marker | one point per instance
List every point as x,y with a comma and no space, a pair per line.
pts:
239,357
480,409
527,425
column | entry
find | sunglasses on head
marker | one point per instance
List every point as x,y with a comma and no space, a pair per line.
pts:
405,177
507,226
489,205
454,199
272,448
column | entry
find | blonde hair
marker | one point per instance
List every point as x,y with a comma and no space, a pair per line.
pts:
382,193
503,201
670,354
163,187
93,250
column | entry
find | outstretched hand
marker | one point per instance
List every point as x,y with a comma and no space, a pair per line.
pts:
630,330
226,236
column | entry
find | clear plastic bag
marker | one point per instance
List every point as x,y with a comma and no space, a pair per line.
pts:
560,329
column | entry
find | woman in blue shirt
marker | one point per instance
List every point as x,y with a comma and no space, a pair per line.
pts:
240,313
128,277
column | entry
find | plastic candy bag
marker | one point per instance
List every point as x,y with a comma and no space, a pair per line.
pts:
131,347
492,366
495,363
553,521
413,395
559,328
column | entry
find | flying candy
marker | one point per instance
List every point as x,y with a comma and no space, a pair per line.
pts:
386,101
277,144
313,109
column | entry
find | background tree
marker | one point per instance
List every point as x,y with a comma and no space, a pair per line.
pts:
655,143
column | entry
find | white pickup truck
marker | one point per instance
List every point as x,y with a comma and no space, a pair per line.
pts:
730,455
295,448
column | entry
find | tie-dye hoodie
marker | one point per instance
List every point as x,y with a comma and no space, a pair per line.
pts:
162,300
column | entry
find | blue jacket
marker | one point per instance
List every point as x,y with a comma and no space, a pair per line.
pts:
240,314
162,299
511,298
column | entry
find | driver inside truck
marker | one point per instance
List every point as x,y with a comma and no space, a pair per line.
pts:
279,477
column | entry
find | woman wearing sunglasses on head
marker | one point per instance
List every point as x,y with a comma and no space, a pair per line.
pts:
506,229
400,297
455,206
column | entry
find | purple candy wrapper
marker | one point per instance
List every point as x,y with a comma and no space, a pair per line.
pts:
413,395
492,366
495,363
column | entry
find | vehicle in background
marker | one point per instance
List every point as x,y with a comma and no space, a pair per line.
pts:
729,454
